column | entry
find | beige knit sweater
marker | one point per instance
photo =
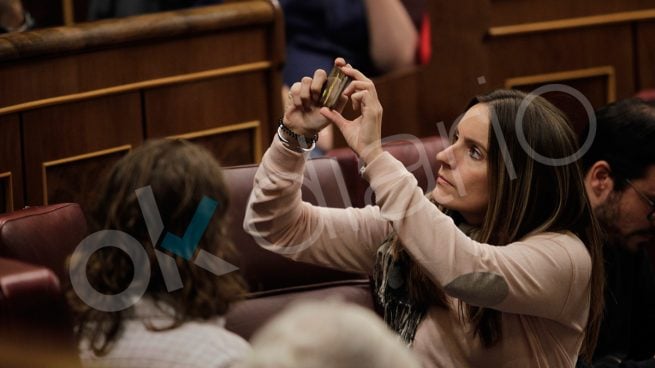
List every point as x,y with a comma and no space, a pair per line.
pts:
540,284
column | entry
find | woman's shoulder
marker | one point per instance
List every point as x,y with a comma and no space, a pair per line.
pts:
561,237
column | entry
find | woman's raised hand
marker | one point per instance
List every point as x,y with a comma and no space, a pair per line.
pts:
302,108
363,134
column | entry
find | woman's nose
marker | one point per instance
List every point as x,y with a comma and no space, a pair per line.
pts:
447,156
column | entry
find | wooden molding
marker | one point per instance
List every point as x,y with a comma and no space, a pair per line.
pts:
66,160
9,194
602,71
256,144
69,12
571,23
130,87
138,28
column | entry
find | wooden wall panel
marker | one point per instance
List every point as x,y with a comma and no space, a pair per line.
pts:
459,59
11,169
645,34
84,93
596,90
564,51
208,104
231,145
75,179
401,91
141,62
64,131
509,12
468,61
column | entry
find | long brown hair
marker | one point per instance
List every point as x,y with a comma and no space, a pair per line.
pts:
180,174
541,196
544,196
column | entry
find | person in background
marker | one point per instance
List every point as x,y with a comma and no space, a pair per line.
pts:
101,9
500,265
327,334
181,328
375,36
13,18
620,183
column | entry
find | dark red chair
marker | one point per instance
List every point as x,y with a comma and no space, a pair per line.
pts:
646,94
43,236
36,329
35,326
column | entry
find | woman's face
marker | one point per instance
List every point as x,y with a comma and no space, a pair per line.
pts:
462,178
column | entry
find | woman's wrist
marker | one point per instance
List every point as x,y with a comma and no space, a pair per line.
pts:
371,153
297,129
294,140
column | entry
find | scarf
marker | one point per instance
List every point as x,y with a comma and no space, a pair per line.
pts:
393,272
390,277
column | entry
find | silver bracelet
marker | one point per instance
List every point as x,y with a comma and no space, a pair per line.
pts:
294,147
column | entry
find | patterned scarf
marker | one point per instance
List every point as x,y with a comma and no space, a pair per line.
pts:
394,271
390,277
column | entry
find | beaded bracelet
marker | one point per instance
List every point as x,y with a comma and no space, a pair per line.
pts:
302,143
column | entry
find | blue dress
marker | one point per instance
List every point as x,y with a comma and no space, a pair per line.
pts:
318,31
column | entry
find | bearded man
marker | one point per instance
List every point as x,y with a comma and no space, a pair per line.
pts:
620,183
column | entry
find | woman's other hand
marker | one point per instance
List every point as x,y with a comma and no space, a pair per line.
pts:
363,134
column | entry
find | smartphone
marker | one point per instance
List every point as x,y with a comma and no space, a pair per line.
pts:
334,86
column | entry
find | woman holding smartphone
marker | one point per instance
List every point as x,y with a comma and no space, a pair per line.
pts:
499,266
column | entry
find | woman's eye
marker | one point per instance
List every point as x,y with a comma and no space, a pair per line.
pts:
475,153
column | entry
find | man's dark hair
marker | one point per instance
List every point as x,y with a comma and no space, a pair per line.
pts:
625,138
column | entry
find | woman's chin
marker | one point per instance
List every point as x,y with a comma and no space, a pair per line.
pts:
441,197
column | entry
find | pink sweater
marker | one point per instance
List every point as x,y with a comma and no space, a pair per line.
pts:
540,284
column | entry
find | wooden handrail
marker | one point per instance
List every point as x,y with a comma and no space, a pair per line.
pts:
136,86
570,23
108,32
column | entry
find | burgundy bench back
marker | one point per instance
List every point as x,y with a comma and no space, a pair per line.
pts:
43,236
35,324
263,269
418,156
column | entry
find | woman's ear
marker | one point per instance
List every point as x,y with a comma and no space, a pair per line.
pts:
599,183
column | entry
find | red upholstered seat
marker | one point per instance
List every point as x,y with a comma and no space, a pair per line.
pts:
244,318
35,324
43,236
646,94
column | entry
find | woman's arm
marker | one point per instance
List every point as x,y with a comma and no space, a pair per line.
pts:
393,36
280,221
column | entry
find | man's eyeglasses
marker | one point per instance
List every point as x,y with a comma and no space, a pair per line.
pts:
651,214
